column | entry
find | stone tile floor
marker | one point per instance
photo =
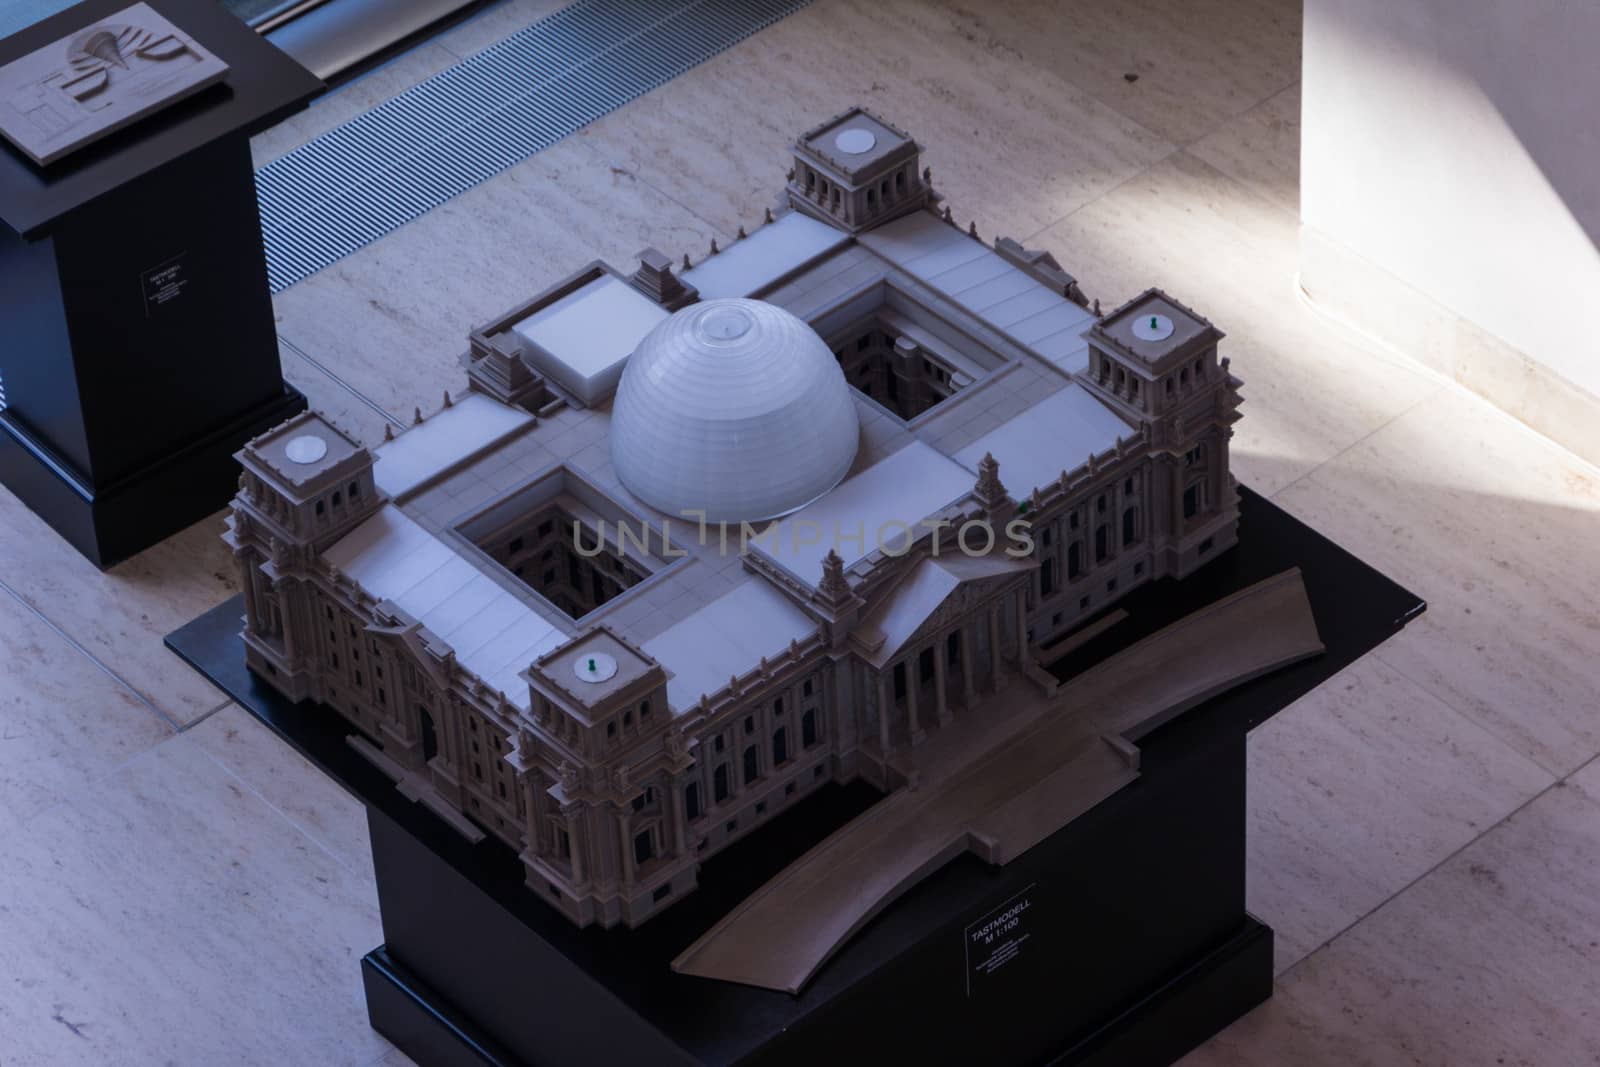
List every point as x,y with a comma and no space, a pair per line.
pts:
178,887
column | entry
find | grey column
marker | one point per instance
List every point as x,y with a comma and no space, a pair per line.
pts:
913,684
883,714
1022,627
968,688
994,645
575,842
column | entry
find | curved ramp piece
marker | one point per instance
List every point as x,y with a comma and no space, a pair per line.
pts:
1014,787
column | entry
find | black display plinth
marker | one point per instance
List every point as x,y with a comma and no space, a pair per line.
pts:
140,351
1136,942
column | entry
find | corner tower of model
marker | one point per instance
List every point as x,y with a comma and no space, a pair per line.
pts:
857,171
1155,361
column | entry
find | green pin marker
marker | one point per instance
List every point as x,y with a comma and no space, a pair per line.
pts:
591,665
1153,325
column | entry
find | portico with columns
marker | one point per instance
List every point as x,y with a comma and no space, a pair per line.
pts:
951,633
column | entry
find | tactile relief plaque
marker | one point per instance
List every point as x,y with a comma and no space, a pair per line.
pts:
117,71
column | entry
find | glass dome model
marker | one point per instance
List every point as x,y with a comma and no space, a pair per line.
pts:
735,408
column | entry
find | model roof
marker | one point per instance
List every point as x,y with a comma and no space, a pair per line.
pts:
727,637
885,499
582,339
494,634
992,288
301,449
1057,434
752,264
444,440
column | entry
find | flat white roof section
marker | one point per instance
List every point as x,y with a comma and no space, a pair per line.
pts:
986,284
444,439
897,492
582,340
494,634
1058,433
750,265
726,637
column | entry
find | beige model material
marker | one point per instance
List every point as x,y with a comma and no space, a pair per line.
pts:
438,590
1043,764
68,94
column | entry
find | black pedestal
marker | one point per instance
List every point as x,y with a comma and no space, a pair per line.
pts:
1131,942
140,348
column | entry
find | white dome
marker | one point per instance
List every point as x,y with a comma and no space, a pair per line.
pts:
735,408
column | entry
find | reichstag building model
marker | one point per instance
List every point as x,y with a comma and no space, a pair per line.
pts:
701,538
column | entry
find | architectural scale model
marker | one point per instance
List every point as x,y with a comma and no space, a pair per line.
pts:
115,72
697,541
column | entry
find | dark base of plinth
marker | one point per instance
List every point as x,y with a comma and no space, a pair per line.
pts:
1157,1029
110,523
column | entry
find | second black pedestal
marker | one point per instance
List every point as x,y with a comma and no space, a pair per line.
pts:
139,345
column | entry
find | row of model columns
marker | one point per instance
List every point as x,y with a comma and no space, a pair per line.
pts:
941,705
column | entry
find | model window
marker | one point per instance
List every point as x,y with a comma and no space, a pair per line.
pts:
320,508
777,706
900,181
1047,578
719,784
1130,525
808,729
355,490
627,718
717,744
780,747
643,847
564,844
1191,501
1074,560
749,724
1101,544
515,546
752,764
691,800
805,688
644,708
611,728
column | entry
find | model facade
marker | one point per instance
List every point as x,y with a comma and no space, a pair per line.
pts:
696,542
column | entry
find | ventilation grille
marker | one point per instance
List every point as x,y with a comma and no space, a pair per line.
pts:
373,174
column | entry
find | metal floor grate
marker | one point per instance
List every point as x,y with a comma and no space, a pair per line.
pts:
373,174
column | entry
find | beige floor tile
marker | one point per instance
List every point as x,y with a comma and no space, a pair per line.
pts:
171,916
332,398
1012,147
351,99
1587,778
1359,789
1260,149
392,319
120,616
64,723
1496,529
1199,62
495,24
1231,255
1491,959
305,795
